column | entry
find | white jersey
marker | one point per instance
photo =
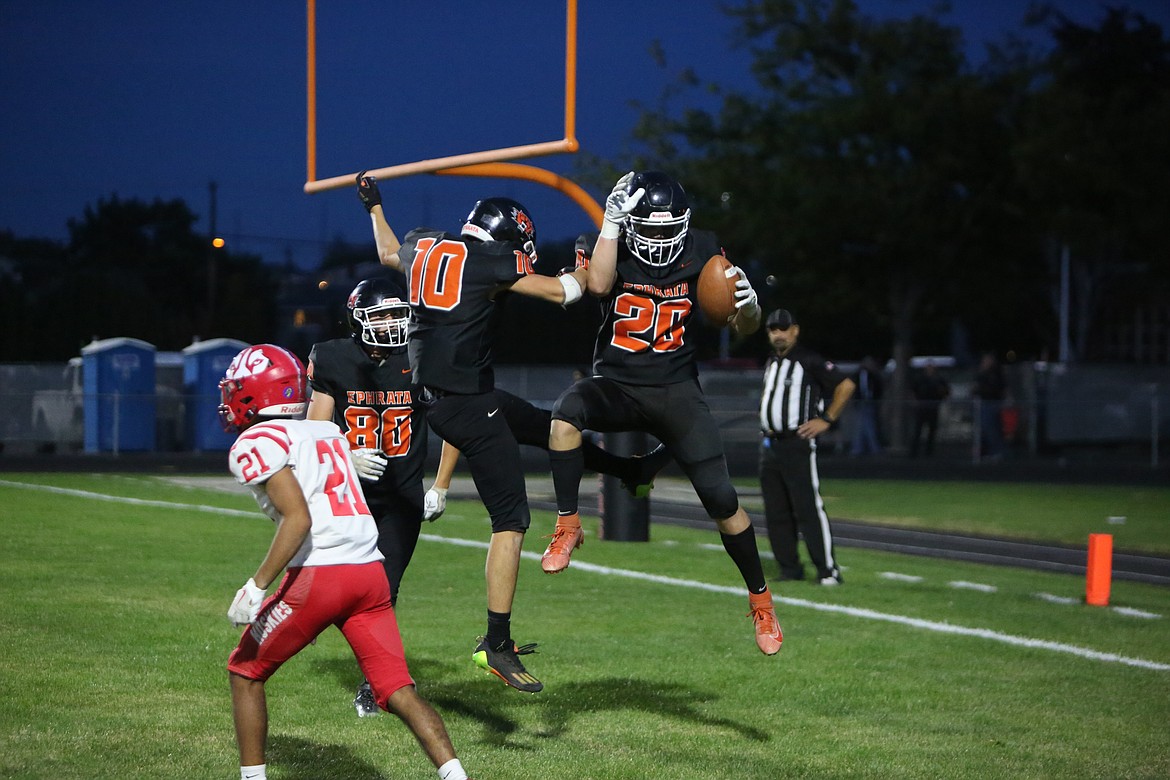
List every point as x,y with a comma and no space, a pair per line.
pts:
343,531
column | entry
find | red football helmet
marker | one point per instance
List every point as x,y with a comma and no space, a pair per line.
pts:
262,381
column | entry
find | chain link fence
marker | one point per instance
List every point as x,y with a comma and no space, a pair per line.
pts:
1051,411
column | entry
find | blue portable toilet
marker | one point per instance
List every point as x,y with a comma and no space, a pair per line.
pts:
118,381
204,364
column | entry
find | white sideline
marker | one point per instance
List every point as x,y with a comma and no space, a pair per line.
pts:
926,625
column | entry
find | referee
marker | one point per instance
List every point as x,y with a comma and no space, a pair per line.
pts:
792,414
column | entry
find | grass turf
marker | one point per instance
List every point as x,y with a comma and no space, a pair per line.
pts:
116,641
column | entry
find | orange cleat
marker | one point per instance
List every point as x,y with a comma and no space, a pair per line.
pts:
769,637
567,537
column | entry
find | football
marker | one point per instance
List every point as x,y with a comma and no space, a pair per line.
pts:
716,291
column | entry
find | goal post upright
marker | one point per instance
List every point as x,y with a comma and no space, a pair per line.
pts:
311,90
492,162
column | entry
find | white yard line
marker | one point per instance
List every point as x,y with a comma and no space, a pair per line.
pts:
867,614
979,586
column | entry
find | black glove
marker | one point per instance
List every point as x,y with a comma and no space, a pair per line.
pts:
368,191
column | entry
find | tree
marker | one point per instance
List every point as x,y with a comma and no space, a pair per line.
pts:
863,172
891,189
1093,148
27,316
132,269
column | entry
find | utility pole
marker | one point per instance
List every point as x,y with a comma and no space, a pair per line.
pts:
212,239
1065,353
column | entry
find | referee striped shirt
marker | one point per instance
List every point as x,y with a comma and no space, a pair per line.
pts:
795,388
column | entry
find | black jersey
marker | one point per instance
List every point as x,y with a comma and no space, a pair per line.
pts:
643,339
796,387
453,287
372,404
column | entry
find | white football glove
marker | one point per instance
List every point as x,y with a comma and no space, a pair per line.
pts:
618,206
246,605
746,299
434,504
369,463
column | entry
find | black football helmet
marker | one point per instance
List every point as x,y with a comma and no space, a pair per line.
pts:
502,219
656,230
378,313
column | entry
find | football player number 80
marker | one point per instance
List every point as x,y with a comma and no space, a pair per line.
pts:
647,324
388,431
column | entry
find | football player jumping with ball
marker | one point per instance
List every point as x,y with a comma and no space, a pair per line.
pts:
301,475
644,267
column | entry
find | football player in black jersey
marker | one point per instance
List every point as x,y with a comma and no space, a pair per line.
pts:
362,383
644,266
453,283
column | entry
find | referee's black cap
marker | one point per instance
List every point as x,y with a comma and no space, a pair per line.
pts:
781,319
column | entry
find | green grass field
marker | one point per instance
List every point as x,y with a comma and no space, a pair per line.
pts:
115,644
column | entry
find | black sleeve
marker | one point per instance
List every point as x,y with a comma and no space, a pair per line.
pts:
826,374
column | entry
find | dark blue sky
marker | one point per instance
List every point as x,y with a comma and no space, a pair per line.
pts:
153,99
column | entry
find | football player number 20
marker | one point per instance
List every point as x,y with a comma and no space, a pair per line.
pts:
649,324
339,484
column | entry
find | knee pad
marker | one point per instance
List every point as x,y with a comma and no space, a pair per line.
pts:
721,502
517,519
714,489
570,408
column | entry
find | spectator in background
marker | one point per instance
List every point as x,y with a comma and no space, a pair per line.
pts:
869,392
930,390
990,389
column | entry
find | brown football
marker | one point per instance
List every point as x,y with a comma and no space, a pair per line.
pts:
716,291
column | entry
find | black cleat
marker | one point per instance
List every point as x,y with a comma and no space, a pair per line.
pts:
503,663
648,466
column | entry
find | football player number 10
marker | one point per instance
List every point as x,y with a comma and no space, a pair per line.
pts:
436,273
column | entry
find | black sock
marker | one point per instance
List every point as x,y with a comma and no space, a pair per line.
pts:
499,632
742,549
603,462
567,467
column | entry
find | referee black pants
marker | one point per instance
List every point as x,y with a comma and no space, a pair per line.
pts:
793,507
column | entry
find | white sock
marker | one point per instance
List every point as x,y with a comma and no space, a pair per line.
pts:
452,770
257,772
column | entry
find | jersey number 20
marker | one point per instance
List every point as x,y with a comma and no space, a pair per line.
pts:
646,324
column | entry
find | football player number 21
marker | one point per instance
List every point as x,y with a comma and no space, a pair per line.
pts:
339,484
649,324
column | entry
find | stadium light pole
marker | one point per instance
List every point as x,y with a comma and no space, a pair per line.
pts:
1064,304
